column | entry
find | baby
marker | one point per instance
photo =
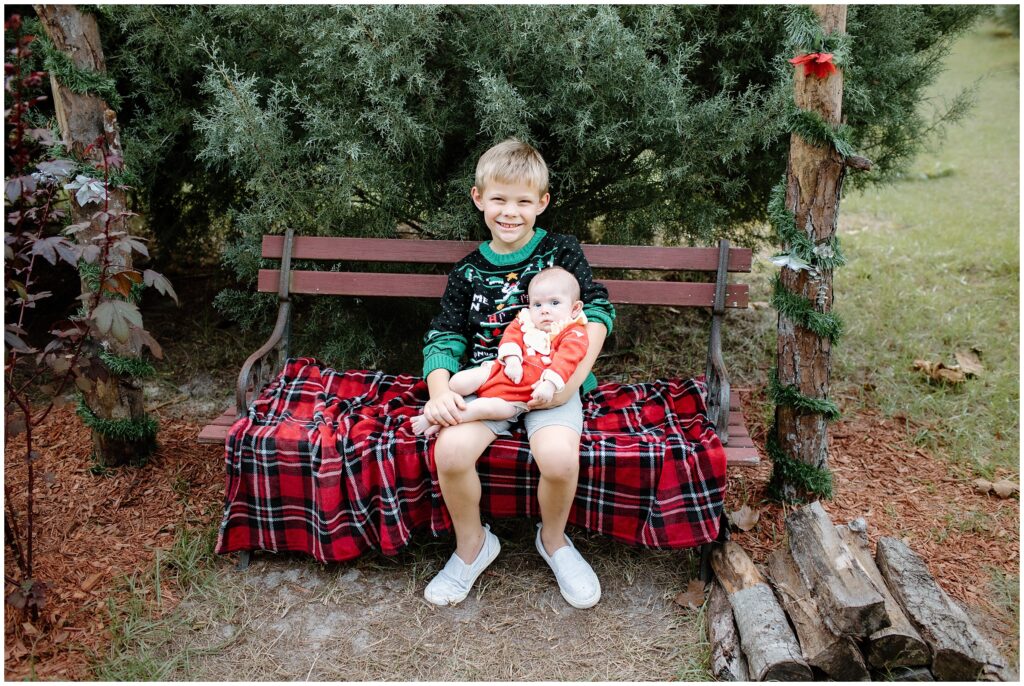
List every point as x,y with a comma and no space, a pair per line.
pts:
538,353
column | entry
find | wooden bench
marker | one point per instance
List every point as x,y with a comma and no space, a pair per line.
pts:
264,364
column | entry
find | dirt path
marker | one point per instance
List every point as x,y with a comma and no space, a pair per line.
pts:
368,621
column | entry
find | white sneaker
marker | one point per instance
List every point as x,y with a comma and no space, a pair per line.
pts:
453,583
576,578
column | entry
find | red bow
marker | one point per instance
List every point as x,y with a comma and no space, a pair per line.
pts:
817,64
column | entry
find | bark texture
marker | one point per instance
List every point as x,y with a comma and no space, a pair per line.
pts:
727,660
814,182
82,120
959,651
899,644
771,649
832,653
848,601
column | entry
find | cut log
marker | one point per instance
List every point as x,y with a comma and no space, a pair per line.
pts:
771,649
959,651
898,644
903,674
847,598
727,660
832,653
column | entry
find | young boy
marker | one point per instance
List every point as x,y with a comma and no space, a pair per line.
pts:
538,352
485,291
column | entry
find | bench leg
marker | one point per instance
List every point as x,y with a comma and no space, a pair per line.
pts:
243,560
706,573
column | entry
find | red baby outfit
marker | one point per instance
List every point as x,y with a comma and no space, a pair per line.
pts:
552,356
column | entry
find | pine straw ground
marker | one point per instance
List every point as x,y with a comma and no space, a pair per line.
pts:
92,531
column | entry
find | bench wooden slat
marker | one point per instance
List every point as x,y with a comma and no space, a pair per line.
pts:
432,286
450,252
214,433
741,457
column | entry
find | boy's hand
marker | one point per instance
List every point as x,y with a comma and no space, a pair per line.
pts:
514,369
444,409
543,392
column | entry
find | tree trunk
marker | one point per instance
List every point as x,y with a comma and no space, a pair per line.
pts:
814,181
83,119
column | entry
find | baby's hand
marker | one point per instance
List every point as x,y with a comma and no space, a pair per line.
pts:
543,393
444,409
514,369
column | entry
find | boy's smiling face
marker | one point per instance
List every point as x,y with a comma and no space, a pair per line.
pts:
510,211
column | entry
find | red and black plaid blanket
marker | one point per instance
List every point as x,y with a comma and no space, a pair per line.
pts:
325,463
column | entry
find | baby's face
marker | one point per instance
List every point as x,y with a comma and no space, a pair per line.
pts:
550,302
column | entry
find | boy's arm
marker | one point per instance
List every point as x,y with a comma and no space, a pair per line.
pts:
596,333
594,295
444,404
444,345
448,337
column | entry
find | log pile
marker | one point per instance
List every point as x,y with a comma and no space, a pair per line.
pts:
826,609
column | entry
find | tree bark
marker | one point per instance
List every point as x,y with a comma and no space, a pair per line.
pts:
83,119
832,653
899,644
959,651
771,649
849,602
814,182
727,660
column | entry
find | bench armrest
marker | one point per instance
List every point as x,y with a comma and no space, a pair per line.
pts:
264,364
717,379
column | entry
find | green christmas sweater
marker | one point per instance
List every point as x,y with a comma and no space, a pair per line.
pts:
486,290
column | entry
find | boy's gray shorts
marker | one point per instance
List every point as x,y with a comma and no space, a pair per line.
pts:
569,415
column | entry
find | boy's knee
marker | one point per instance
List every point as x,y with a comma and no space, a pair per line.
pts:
558,461
453,453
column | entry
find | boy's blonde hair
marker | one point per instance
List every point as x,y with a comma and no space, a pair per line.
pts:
512,161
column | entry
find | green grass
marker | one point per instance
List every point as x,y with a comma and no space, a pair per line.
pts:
934,268
146,643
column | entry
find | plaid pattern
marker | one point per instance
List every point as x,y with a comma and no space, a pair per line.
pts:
325,463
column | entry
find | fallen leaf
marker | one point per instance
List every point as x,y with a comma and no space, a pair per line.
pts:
693,597
29,629
938,371
744,518
91,581
1004,488
982,485
969,363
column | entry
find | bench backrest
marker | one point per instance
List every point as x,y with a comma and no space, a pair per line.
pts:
646,292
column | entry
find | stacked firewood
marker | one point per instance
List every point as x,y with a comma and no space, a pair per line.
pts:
824,608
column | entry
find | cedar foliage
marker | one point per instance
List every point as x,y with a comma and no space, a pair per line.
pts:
658,122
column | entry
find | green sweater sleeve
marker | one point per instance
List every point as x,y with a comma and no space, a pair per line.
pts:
594,295
447,339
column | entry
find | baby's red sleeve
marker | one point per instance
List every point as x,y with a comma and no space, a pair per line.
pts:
568,350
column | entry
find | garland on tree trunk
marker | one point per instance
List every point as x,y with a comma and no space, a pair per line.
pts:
803,253
139,429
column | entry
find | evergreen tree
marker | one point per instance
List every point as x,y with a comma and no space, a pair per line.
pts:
661,122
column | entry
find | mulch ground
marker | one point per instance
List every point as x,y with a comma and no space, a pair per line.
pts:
92,530
902,491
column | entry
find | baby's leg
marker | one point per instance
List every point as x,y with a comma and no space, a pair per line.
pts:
469,380
488,408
